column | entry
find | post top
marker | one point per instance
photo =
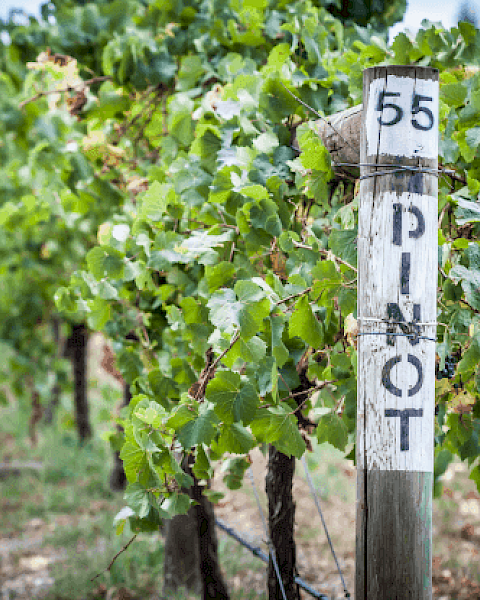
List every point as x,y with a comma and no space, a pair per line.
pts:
412,71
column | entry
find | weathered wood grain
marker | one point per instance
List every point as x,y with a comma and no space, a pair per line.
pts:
340,134
397,266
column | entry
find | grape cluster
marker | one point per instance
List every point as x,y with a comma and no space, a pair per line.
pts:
449,370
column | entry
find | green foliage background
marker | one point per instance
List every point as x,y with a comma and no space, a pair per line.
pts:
149,187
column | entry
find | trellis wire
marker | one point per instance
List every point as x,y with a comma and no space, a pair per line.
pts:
318,115
411,324
271,549
256,551
436,172
409,335
392,168
317,504
407,167
390,322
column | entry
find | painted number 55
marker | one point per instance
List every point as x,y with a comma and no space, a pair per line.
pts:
398,115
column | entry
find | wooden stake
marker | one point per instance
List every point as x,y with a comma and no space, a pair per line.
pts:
340,134
397,258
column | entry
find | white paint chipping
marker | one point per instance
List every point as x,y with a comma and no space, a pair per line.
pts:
380,277
402,138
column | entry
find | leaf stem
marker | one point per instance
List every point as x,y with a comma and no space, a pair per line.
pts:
327,253
318,115
306,291
315,388
114,558
67,89
217,360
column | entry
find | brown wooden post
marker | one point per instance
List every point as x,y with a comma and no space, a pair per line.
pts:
397,257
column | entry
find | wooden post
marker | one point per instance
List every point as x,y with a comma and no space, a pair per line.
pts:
397,257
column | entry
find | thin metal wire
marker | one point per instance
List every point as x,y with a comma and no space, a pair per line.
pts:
256,551
271,549
389,322
393,165
398,170
393,168
409,324
409,335
326,119
317,504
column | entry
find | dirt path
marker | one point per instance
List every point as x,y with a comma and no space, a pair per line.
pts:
25,564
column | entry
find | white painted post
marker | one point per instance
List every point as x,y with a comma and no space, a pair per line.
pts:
397,257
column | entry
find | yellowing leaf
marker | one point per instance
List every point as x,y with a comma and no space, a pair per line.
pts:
462,402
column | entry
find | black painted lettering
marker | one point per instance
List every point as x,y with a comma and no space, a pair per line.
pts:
411,329
413,360
417,109
404,429
416,313
420,230
405,273
382,105
415,183
397,224
387,382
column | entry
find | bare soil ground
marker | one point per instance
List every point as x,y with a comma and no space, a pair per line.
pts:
456,531
26,561
316,564
34,546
